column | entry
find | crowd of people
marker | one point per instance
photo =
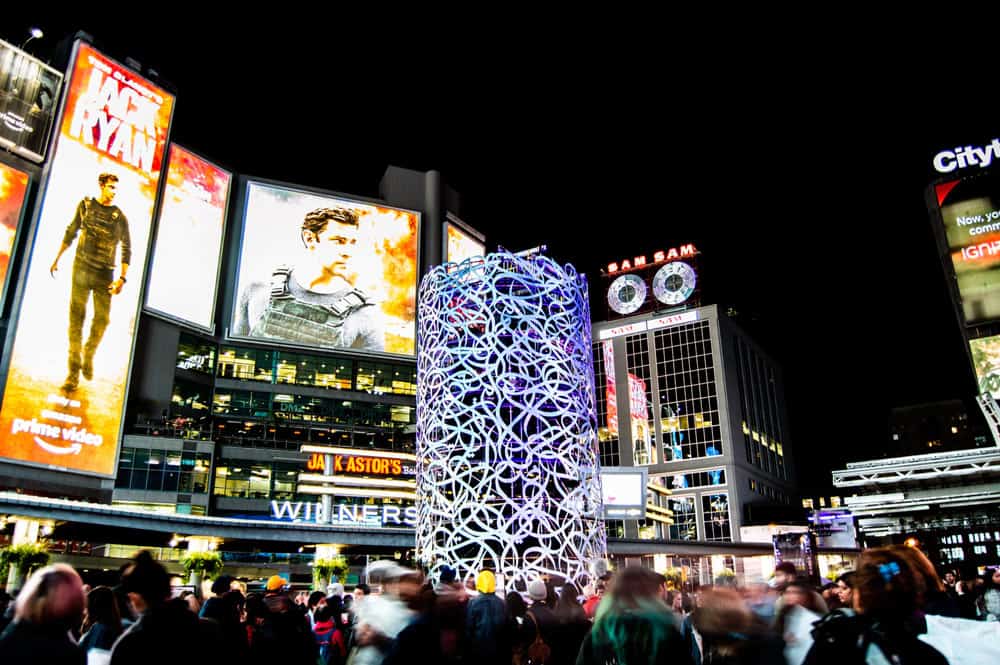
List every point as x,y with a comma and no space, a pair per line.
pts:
892,609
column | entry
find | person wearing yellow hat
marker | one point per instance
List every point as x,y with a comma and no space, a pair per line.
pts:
276,583
485,621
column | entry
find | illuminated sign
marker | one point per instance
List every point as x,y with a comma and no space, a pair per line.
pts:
69,366
623,492
962,157
652,324
674,253
970,212
343,514
460,244
29,92
317,270
13,189
356,464
183,273
986,361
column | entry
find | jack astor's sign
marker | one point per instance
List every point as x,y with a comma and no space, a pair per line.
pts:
358,464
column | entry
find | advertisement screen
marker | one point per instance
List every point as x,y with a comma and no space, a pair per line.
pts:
460,245
322,271
13,189
986,361
68,370
183,273
970,210
623,491
29,92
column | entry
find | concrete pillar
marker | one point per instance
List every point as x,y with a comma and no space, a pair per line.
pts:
27,531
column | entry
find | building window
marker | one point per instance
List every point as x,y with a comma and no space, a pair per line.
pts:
195,354
715,508
685,526
190,398
689,408
695,479
163,470
246,364
607,409
242,480
304,370
640,400
241,403
386,379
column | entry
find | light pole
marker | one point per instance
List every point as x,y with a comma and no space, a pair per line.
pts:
36,33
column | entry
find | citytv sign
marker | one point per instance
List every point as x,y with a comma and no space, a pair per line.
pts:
343,514
962,157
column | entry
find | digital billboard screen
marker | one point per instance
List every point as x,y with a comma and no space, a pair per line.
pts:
459,243
13,190
986,361
69,365
184,269
29,92
623,492
319,270
970,211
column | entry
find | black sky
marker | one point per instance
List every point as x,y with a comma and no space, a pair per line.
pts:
798,169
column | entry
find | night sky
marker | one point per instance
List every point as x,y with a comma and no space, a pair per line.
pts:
797,169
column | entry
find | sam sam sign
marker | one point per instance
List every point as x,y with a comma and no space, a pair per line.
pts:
343,514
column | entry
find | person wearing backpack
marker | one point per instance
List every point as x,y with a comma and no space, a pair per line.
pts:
541,621
887,593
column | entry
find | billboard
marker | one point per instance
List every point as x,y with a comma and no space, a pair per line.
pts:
970,211
69,365
986,361
29,90
13,190
459,243
623,492
184,270
318,270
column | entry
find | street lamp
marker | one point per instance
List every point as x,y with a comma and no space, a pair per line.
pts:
36,33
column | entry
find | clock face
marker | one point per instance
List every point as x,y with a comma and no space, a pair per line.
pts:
674,283
627,293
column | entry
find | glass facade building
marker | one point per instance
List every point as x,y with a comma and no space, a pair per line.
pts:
696,401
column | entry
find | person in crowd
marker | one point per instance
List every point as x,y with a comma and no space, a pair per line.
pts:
317,599
571,627
329,637
784,573
886,596
450,606
733,635
281,633
191,600
831,596
633,625
794,623
150,640
220,587
517,611
485,624
227,611
6,603
470,585
991,595
590,605
101,622
934,599
47,608
381,618
845,589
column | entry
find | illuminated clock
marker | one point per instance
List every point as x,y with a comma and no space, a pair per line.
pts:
674,283
626,294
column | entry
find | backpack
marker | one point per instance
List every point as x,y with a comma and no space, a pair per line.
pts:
538,652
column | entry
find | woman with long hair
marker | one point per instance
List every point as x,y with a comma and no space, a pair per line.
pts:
101,622
633,625
887,597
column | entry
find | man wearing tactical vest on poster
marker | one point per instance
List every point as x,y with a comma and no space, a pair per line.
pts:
315,302
101,227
